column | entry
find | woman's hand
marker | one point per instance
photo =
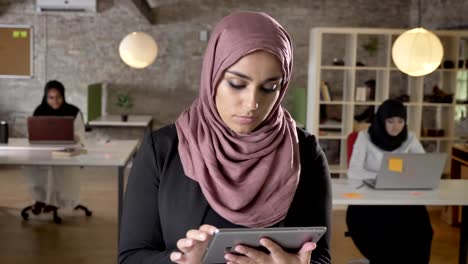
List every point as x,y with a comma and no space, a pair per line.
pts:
193,246
277,254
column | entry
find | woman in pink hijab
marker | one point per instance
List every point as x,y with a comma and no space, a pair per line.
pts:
233,159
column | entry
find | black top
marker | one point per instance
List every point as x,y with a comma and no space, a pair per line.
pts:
162,203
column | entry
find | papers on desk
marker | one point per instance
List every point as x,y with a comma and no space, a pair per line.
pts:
352,195
68,152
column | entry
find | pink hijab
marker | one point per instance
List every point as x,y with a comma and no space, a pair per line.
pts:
249,179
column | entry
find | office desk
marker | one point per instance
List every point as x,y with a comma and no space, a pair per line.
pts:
459,159
144,121
116,153
449,192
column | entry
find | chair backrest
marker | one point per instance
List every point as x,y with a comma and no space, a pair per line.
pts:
350,144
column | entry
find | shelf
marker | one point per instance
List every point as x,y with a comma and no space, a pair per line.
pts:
437,104
411,104
331,135
371,68
334,102
450,70
358,68
367,103
435,138
437,70
336,68
330,125
343,80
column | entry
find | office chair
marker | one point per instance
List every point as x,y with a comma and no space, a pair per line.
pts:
40,207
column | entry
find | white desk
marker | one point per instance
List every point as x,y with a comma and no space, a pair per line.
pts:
145,121
116,153
449,192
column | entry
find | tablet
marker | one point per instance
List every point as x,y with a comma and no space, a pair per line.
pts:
290,239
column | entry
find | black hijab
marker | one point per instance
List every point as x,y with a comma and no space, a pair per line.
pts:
64,110
377,131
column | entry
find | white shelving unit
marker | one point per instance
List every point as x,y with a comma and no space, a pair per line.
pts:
347,45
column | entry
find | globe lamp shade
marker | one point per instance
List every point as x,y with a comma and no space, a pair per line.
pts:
417,52
138,50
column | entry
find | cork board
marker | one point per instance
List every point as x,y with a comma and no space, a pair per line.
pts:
15,51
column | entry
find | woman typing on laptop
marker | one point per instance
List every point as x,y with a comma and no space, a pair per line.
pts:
55,187
376,230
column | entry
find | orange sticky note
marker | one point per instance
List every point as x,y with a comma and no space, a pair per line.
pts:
352,195
395,164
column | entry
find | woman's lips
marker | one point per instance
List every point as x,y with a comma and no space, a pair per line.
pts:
244,120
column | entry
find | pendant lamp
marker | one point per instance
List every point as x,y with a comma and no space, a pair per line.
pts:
417,52
138,50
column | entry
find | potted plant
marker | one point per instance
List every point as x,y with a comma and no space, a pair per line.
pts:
371,46
124,101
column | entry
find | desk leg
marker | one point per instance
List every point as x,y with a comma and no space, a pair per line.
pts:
120,197
462,257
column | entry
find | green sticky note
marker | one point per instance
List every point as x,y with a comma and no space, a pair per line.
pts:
24,34
16,34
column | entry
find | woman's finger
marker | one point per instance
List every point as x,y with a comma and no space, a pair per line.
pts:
274,248
177,257
306,251
185,244
208,229
197,235
237,259
252,254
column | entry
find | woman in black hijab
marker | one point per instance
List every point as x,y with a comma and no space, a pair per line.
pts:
387,234
54,103
379,130
55,187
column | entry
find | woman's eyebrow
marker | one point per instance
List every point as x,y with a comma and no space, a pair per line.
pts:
243,76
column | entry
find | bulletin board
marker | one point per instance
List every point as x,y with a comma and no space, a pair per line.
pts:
16,51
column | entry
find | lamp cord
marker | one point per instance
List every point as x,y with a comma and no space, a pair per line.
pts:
419,13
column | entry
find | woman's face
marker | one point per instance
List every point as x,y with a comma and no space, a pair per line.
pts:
54,98
394,125
248,90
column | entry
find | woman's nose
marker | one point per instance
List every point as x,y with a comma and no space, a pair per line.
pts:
251,101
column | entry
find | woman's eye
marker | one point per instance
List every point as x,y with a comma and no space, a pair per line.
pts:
236,85
270,88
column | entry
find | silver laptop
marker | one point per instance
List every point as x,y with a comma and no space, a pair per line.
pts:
409,171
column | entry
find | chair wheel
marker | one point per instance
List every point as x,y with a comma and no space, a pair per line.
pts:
25,216
85,209
24,213
57,220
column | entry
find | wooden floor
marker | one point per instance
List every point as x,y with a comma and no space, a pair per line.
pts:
94,240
